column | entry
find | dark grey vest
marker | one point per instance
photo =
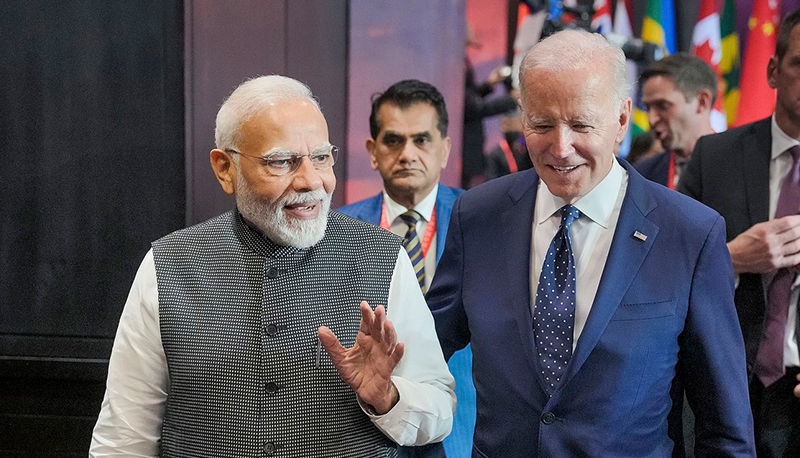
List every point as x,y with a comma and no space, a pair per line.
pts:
239,318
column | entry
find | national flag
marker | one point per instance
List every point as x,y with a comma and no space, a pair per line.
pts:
730,66
623,28
659,24
707,44
601,21
757,98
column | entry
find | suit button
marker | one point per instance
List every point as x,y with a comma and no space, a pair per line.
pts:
273,273
269,448
271,387
548,418
272,329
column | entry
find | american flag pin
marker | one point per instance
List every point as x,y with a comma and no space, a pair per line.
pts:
640,236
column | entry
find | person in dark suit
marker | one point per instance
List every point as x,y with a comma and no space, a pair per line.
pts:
583,287
410,147
751,175
679,92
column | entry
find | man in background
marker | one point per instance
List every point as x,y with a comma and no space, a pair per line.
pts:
409,147
751,175
679,92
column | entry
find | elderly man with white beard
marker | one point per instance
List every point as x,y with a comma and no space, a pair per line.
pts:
279,328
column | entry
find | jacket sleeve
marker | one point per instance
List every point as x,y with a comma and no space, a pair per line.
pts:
713,357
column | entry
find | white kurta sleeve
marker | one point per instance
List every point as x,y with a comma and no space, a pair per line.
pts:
424,413
136,390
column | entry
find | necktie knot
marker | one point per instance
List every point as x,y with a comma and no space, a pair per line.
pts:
411,218
568,215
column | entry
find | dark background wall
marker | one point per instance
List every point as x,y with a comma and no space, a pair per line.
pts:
91,123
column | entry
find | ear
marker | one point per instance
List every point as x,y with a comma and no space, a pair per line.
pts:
373,159
772,70
624,120
224,170
446,152
704,98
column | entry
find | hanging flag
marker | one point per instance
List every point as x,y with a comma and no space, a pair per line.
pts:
659,24
757,98
707,45
601,21
730,66
623,28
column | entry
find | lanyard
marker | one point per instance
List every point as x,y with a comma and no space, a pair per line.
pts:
430,231
671,173
512,163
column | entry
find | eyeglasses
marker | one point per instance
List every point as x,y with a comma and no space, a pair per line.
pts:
283,162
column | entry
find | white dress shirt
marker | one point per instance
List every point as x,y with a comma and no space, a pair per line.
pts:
399,227
779,167
133,408
591,235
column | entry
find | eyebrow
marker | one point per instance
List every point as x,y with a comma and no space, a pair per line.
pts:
280,150
391,133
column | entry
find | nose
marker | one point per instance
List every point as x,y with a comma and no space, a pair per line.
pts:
409,152
561,145
306,177
653,117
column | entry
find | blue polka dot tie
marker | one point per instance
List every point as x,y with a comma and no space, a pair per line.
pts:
555,304
414,247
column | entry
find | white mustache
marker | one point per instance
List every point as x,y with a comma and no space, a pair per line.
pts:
303,198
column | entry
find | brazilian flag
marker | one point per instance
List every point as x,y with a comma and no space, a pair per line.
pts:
730,65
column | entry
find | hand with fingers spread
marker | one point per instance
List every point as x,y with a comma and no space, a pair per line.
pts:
367,366
767,246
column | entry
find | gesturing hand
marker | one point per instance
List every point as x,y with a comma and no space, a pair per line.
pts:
767,246
367,366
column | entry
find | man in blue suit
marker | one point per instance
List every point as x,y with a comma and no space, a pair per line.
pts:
586,289
409,146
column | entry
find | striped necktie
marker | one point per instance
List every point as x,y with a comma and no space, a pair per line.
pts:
413,246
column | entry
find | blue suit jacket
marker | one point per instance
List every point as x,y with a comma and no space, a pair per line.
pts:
664,305
655,168
459,442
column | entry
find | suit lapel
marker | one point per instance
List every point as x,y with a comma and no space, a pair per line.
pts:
754,158
517,221
624,259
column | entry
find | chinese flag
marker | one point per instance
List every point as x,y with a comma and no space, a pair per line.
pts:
757,98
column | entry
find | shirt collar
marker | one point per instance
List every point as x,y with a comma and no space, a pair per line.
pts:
597,204
781,141
424,207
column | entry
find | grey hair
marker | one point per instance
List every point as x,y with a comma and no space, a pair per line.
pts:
249,99
575,49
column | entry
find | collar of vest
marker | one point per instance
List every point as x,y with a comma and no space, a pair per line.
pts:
258,242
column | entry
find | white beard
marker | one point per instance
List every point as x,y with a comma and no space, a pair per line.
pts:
268,217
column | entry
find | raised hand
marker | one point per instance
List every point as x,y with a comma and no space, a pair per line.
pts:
367,366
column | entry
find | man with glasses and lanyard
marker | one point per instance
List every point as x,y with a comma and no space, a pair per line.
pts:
409,146
277,328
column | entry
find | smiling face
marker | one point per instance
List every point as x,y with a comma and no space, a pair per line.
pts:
572,125
674,119
289,209
409,151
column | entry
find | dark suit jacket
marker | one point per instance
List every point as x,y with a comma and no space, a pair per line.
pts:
460,365
729,172
655,168
661,301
